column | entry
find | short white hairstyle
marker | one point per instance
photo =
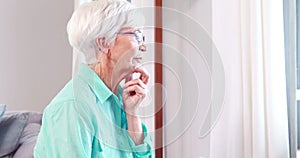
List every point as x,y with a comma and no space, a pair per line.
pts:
102,19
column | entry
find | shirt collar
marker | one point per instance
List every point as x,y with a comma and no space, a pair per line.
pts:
101,91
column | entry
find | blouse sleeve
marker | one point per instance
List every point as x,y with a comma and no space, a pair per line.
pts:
144,150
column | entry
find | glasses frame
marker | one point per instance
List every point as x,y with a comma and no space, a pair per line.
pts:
139,36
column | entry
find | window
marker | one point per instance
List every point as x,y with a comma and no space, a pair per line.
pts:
292,32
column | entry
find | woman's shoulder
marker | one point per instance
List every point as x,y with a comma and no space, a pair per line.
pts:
76,92
71,110
75,95
76,98
71,106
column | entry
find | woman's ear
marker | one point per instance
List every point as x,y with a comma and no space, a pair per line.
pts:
102,45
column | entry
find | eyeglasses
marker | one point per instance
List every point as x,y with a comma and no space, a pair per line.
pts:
139,36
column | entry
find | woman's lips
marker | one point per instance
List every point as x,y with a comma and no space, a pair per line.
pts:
138,59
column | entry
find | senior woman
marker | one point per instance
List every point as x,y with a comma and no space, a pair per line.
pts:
93,116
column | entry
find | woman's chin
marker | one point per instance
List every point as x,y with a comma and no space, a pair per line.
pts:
125,75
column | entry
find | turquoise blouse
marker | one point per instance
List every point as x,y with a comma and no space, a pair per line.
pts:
86,120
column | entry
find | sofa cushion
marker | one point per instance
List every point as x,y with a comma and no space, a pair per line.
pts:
11,128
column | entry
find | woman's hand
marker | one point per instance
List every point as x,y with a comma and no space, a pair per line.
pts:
135,91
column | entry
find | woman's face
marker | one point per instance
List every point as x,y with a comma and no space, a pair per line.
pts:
127,51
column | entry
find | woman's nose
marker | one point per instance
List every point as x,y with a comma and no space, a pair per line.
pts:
143,47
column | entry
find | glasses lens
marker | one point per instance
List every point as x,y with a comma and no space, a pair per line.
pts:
139,36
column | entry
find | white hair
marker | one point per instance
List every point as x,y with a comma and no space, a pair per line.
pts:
102,19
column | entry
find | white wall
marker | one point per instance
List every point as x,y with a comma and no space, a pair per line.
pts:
35,57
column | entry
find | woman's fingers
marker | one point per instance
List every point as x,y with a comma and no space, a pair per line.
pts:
128,78
133,93
135,82
144,74
137,89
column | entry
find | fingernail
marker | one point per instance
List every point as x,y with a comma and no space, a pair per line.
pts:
136,75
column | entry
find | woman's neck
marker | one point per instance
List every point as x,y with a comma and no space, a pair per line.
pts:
104,71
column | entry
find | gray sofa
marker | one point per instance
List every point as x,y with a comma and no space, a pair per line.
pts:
18,133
